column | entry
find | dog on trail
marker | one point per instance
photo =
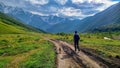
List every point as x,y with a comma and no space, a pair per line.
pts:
60,50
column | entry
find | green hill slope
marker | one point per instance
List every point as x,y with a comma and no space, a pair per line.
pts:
109,17
10,25
108,28
24,44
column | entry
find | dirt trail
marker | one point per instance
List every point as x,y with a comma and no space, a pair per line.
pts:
68,58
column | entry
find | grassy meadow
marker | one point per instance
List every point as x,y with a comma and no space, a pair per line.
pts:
22,46
29,50
34,52
96,41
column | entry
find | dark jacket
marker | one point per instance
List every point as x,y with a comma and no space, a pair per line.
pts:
76,37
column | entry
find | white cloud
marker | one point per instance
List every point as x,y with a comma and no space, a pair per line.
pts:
38,13
53,9
96,1
62,2
40,2
90,1
94,4
107,4
13,3
78,8
78,1
70,11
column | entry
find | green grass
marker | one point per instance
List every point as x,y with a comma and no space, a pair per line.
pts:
104,47
12,45
5,28
20,40
44,58
11,25
16,39
4,61
96,42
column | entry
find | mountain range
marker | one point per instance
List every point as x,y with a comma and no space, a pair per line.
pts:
109,16
54,23
11,26
41,22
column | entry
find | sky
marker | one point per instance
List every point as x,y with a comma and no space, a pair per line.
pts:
79,9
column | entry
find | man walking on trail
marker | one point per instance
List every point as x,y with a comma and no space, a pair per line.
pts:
76,41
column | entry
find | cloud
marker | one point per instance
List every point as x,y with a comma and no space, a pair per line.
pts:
38,13
78,1
68,8
106,5
39,2
14,3
92,7
90,1
53,9
62,2
97,4
70,11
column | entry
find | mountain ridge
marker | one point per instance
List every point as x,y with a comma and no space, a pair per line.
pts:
54,24
41,22
106,17
11,25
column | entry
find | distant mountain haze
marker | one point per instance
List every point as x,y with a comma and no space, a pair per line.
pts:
109,16
41,22
64,22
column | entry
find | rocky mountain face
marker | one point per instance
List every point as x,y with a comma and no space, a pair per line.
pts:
41,22
54,24
107,17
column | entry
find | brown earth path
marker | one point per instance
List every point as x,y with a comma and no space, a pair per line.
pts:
68,58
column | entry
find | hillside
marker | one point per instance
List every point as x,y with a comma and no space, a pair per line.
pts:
32,18
54,23
10,25
19,42
109,16
108,28
66,27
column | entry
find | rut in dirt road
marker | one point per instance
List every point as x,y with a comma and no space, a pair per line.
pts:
68,58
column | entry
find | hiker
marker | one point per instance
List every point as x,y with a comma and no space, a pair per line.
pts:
76,41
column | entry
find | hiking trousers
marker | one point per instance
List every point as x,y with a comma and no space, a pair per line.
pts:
76,45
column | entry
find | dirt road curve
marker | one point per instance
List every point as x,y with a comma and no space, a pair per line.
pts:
68,58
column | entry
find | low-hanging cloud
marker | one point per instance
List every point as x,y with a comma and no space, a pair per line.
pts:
68,8
39,2
62,2
70,11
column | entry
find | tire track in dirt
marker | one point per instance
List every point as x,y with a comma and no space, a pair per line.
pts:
73,59
65,59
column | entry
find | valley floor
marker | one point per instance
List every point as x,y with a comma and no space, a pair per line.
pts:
68,58
33,50
27,50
